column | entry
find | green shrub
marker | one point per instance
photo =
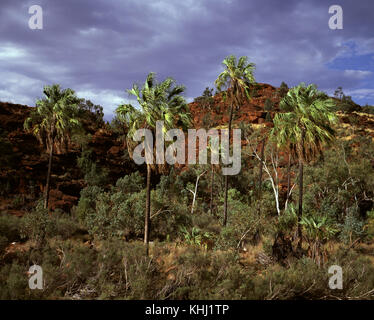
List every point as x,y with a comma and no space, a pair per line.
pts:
370,225
131,183
352,228
65,226
37,224
87,202
125,272
13,282
10,227
244,222
3,244
93,174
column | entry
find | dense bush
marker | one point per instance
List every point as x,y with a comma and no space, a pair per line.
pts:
244,222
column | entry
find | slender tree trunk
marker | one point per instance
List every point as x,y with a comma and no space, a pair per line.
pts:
261,169
299,230
48,184
259,191
226,177
211,190
147,222
195,192
289,176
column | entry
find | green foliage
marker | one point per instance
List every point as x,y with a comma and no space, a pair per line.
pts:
8,158
115,213
120,270
18,201
352,228
87,200
368,109
269,105
288,220
159,101
282,90
345,103
65,226
342,177
3,244
306,121
167,215
125,272
244,221
55,116
13,283
37,224
206,101
10,227
93,174
195,236
370,224
96,175
318,228
89,111
131,183
237,76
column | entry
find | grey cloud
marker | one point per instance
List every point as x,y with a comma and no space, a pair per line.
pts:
105,46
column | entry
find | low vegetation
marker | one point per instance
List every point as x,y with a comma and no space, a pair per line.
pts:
303,201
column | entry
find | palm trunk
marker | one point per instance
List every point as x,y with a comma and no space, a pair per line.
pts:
48,184
299,230
301,180
226,177
211,190
147,223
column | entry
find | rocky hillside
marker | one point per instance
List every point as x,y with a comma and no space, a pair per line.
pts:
23,161
213,113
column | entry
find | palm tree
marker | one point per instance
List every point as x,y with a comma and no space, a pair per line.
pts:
52,121
235,79
158,102
306,123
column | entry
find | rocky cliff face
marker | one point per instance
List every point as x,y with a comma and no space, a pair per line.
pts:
23,161
23,164
216,114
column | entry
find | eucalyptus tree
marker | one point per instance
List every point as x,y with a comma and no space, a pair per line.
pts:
52,121
158,101
307,124
235,79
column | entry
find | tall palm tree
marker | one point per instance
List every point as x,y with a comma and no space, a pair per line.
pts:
158,101
235,79
306,123
52,121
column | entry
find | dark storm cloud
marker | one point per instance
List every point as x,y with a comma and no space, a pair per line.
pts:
99,48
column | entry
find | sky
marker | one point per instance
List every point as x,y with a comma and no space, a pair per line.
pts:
100,48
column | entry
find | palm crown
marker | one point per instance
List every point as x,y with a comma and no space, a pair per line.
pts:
235,78
306,121
158,102
54,116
